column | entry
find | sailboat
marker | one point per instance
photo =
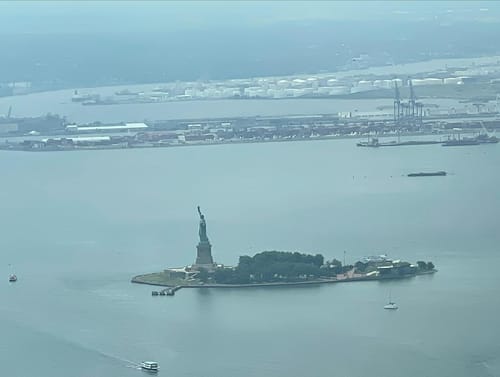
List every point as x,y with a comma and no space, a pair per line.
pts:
12,277
391,304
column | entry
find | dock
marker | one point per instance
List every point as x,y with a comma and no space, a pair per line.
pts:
169,291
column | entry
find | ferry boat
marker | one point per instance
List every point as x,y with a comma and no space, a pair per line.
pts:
12,278
150,366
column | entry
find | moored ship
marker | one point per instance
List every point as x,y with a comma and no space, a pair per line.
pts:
373,143
486,139
460,142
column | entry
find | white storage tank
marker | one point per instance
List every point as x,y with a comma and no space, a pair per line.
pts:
427,81
433,81
324,90
299,82
364,85
386,84
418,82
452,81
339,90
312,82
276,93
399,82
283,83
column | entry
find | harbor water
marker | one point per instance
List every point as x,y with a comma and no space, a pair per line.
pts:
77,226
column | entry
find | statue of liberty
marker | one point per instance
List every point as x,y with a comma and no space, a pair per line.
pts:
204,249
203,227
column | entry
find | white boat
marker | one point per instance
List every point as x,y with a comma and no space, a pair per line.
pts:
150,366
391,305
12,278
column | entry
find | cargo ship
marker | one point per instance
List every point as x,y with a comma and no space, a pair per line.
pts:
460,142
77,97
374,143
485,139
430,174
411,142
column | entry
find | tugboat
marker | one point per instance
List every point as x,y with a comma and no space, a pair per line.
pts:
12,278
150,366
373,143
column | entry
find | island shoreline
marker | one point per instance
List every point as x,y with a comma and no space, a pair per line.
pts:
139,280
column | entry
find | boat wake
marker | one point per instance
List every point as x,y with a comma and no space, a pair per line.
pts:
129,363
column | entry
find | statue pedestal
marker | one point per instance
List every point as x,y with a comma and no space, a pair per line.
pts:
204,256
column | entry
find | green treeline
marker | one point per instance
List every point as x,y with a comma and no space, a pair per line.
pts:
276,266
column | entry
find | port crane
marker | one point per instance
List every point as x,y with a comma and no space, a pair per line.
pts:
486,132
410,112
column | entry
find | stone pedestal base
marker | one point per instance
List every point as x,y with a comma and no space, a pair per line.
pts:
204,255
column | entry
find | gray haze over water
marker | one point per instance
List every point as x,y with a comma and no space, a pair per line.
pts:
65,44
78,225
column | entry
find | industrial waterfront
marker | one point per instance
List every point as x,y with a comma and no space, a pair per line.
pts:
377,102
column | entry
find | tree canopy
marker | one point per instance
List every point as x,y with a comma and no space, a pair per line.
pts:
272,266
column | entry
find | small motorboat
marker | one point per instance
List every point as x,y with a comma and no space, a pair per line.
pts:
391,306
150,366
13,278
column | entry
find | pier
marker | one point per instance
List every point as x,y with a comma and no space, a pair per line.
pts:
169,291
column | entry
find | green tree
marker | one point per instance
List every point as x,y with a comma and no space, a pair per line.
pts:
203,274
319,260
422,265
360,266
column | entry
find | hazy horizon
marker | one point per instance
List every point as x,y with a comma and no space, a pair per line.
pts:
64,44
126,16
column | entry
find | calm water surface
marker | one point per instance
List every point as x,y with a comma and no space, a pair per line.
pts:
77,226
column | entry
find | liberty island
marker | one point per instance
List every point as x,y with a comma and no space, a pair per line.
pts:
272,268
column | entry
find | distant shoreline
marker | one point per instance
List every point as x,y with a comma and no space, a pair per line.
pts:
235,142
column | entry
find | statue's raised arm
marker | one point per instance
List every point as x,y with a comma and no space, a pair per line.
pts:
202,231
